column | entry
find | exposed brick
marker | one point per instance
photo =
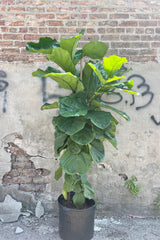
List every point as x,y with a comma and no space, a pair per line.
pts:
140,58
6,43
2,22
79,16
21,165
91,30
29,37
8,2
63,16
139,45
139,30
120,44
82,24
16,9
140,2
41,180
4,29
129,52
120,2
9,50
140,16
37,9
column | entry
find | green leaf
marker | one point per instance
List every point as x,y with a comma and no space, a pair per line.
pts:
111,139
88,190
70,125
58,173
95,50
78,199
78,56
100,119
70,44
74,148
75,163
98,132
96,149
64,194
103,104
90,81
113,63
77,188
49,106
73,105
84,136
97,72
45,45
65,80
40,73
67,187
59,142
62,58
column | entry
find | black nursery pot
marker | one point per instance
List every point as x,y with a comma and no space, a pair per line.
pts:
76,224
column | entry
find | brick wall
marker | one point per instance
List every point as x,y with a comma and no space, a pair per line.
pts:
131,28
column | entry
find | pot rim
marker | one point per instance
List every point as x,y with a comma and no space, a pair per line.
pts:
76,209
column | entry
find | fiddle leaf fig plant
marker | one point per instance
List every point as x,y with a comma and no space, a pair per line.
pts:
85,121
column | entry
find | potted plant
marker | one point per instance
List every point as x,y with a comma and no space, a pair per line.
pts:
83,123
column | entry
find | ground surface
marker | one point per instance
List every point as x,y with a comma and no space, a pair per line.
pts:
108,228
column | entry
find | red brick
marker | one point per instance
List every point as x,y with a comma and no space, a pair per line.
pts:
82,24
17,23
130,37
139,30
13,36
157,30
41,180
140,16
147,23
129,52
150,38
20,44
29,37
7,2
22,30
53,30
6,43
120,2
45,16
118,16
108,23
91,30
140,58
98,16
120,44
87,9
63,16
16,9
52,9
79,3
54,23
110,37
155,44
4,29
13,30
9,50
2,22
140,45
2,9
140,3
79,16
129,24
36,9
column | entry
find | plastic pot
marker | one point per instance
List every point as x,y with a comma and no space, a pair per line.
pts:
76,224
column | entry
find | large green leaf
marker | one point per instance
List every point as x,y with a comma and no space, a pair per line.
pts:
97,72
73,105
40,73
49,106
88,190
111,139
75,163
84,136
59,142
45,45
98,132
113,63
78,56
78,199
96,149
95,50
63,59
103,104
65,80
100,118
74,148
70,125
70,44
90,81
58,173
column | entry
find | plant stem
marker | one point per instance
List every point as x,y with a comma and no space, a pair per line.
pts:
68,197
81,68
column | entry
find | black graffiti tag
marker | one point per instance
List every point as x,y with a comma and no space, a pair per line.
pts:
3,86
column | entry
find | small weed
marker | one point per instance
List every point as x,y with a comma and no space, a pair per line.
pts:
156,203
132,187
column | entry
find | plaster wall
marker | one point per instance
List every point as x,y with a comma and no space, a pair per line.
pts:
23,123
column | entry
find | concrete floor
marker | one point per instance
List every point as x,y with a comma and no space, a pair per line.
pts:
108,228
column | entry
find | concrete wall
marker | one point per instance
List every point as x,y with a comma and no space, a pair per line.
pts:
28,163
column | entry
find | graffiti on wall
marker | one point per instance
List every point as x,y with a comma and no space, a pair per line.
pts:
142,86
3,86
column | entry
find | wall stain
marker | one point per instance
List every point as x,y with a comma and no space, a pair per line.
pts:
3,86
